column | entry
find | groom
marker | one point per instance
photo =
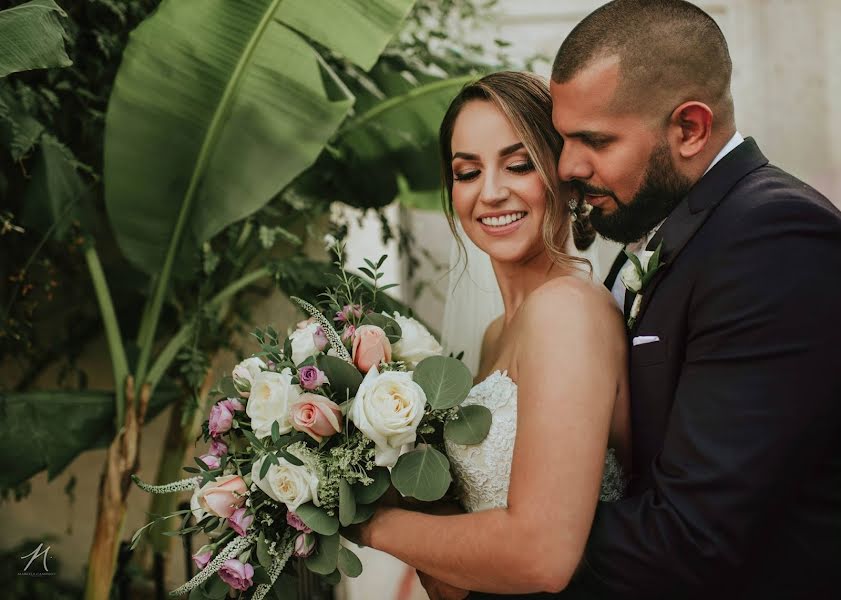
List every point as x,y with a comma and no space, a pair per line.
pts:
735,364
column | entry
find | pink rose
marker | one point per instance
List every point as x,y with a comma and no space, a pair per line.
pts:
320,339
218,448
316,416
370,347
295,522
233,405
311,377
212,461
304,545
348,312
220,419
348,333
222,496
239,521
202,557
237,574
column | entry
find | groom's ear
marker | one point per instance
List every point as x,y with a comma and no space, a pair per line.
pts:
690,127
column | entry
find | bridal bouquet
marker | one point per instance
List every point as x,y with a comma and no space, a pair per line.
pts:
310,432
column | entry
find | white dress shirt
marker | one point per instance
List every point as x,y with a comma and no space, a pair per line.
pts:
638,247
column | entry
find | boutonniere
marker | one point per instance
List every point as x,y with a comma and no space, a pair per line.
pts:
637,274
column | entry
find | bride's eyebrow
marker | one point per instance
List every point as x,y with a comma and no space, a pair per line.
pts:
504,152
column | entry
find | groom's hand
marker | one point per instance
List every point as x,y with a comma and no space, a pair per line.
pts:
438,590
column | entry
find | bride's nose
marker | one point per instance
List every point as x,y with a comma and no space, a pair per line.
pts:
493,191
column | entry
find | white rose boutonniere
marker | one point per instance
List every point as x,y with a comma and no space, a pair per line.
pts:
637,274
416,343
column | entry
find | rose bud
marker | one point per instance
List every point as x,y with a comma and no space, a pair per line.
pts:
311,377
304,545
222,496
239,521
237,574
370,347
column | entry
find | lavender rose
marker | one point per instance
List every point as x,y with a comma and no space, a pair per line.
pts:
237,574
311,378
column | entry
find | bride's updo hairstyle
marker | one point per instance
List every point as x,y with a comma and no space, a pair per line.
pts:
525,101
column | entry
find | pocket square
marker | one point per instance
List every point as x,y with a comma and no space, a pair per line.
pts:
645,339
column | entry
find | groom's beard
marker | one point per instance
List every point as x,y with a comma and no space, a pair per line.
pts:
662,189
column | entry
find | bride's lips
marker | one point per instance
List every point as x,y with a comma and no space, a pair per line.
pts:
501,229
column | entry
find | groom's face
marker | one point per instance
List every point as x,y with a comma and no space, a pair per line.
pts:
618,161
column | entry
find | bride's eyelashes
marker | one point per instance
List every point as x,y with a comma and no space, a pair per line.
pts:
526,166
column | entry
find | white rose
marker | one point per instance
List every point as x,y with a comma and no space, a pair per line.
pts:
287,483
271,396
303,343
416,343
245,372
388,409
629,274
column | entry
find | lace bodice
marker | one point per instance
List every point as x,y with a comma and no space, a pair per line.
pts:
484,470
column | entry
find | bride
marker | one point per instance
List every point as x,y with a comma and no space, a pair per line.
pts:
552,367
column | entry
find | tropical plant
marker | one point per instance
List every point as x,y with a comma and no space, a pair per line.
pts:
193,225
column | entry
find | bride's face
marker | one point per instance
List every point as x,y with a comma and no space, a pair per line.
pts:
498,195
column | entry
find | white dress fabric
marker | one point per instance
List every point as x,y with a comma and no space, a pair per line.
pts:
483,470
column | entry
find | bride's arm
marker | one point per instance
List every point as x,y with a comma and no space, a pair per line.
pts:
571,356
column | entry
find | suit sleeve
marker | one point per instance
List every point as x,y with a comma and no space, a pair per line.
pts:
756,406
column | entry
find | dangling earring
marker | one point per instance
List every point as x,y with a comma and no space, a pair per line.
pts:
573,209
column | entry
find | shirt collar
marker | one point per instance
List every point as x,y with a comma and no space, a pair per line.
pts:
728,147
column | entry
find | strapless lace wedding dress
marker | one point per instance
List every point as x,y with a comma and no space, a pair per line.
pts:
483,470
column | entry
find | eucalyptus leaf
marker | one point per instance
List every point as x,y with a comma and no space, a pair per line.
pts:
347,503
215,588
349,563
445,381
390,326
471,427
344,378
423,474
263,556
363,513
285,587
333,578
367,494
317,519
326,555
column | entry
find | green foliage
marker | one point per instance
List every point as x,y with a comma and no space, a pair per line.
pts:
445,381
31,37
326,556
317,519
471,427
368,494
349,563
344,378
423,474
347,504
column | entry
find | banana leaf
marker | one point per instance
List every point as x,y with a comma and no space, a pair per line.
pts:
393,147
31,37
218,105
47,430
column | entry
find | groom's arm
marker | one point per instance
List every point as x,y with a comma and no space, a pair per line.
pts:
755,409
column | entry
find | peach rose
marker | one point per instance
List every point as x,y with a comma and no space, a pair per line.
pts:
370,347
222,496
316,416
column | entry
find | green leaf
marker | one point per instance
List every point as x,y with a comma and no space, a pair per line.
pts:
423,474
57,195
317,519
367,494
387,324
261,576
204,143
263,556
215,588
275,432
344,378
347,503
363,513
31,37
326,555
285,587
333,578
471,427
358,29
445,381
397,138
634,259
349,563
47,430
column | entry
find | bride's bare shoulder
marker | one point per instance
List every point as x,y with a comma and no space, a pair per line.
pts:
564,298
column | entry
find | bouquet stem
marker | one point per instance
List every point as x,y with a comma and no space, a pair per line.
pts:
122,461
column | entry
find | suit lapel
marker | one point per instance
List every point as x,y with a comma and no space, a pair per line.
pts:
688,217
617,265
